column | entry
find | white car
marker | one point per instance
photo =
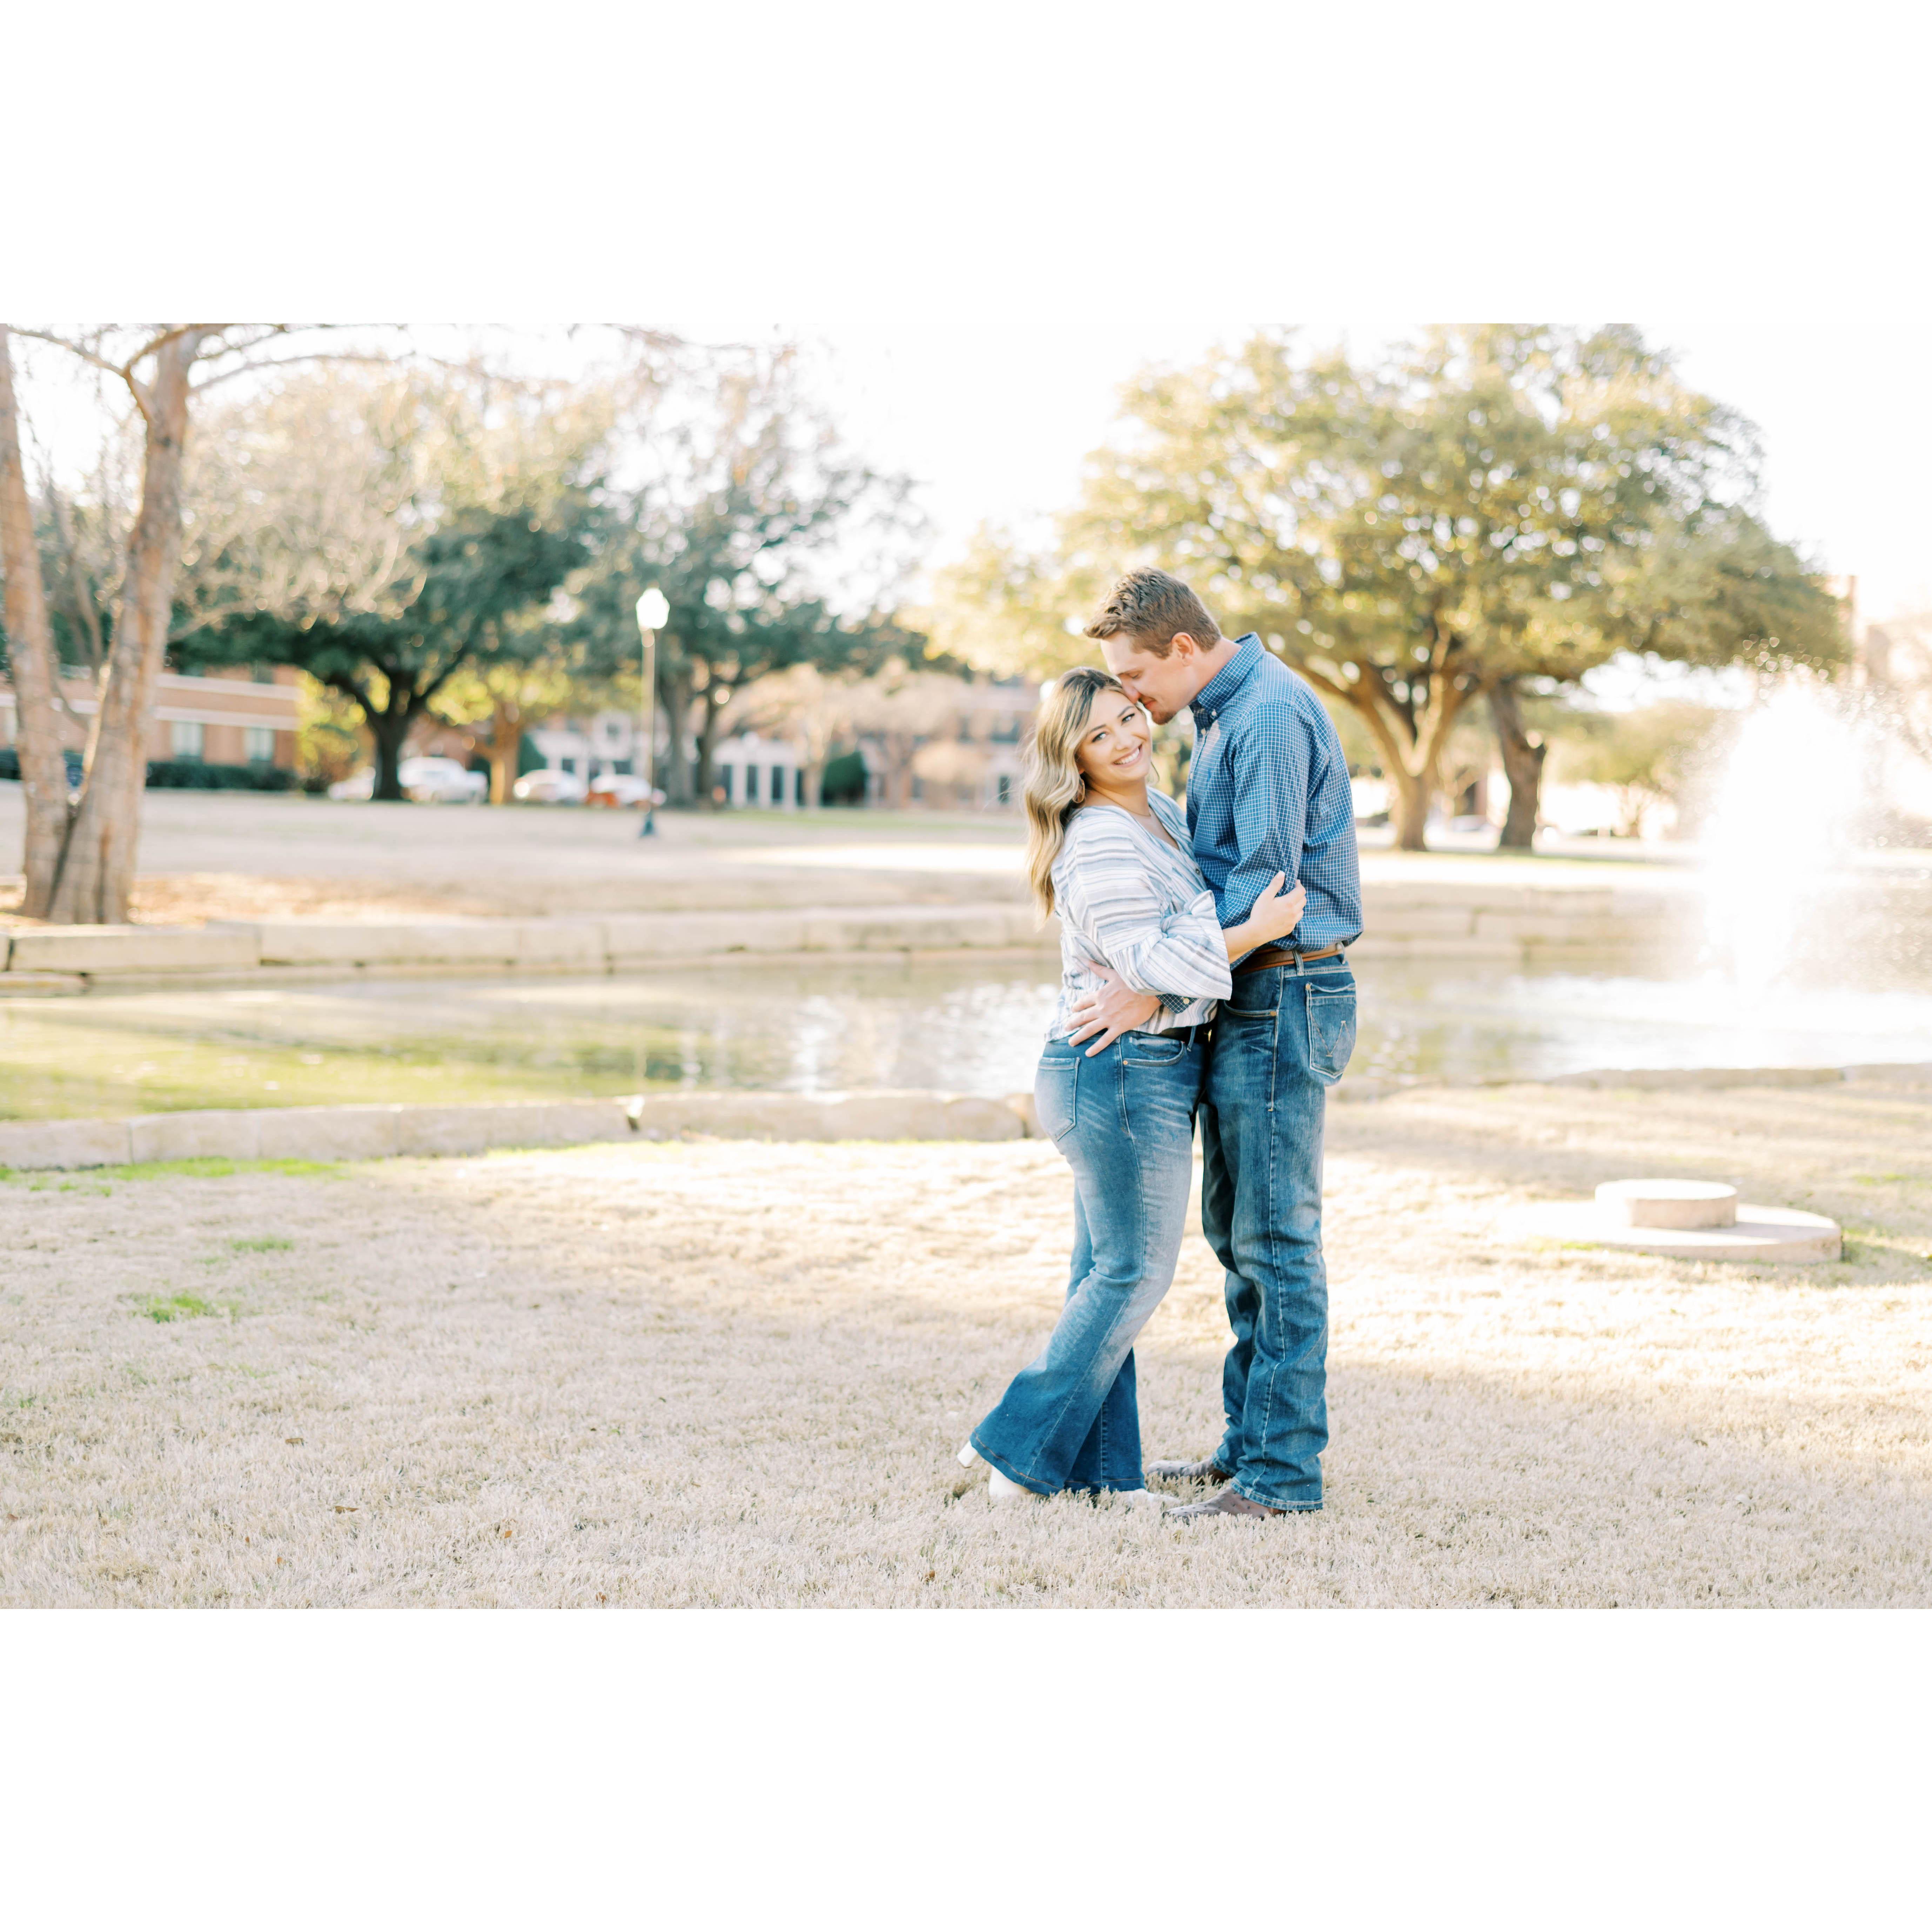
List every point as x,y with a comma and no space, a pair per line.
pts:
442,781
550,787
621,788
427,781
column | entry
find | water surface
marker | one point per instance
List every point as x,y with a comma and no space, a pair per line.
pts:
969,1025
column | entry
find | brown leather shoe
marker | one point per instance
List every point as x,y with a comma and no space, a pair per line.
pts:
1229,1502
1205,1470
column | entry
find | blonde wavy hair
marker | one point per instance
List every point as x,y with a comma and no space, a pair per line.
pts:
1054,789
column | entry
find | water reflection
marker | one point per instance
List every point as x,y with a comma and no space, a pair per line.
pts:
970,1025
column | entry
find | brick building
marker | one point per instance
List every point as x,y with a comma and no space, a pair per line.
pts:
236,717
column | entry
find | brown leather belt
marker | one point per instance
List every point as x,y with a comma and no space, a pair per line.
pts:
1266,956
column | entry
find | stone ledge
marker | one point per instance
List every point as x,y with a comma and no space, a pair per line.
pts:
39,1144
906,1115
111,949
31,985
377,1133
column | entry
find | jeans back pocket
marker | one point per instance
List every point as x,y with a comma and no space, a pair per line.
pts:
1331,1032
1056,1086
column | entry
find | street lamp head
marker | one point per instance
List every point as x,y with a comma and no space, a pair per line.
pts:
653,613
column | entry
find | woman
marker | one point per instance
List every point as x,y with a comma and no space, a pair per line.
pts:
1113,858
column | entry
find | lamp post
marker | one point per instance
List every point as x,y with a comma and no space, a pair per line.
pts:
653,613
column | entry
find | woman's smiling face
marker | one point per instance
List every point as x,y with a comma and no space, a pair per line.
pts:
1113,749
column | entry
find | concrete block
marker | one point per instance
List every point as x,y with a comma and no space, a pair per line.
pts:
302,943
326,1133
919,929
229,1133
450,1130
1902,1073
692,935
1418,922
37,1144
565,1124
1646,1079
558,942
887,1116
105,949
40,986
1560,929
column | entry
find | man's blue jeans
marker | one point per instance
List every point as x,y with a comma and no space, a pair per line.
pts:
1279,1043
1124,1119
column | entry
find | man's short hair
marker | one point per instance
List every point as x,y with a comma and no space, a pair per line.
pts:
1153,609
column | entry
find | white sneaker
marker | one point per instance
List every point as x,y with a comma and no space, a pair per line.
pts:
1139,1499
1003,1489
968,1456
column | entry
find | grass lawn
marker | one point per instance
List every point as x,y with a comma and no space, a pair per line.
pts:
724,1373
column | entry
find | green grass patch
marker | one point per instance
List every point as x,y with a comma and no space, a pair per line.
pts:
179,1308
218,1167
260,1244
203,1167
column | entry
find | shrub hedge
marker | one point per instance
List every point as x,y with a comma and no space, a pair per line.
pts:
180,774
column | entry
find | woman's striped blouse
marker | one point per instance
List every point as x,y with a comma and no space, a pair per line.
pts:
1129,900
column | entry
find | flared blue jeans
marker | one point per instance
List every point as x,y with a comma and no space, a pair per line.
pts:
1124,1119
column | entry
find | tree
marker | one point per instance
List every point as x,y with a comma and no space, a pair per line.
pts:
773,546
82,870
396,540
1490,505
531,673
461,590
31,661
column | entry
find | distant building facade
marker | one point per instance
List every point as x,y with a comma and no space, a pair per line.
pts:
237,717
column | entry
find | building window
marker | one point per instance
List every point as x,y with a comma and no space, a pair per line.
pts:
1002,789
751,785
258,745
265,673
185,740
798,788
918,790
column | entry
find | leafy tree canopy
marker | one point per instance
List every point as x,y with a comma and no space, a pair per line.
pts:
1486,504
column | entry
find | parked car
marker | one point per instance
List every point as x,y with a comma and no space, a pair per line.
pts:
621,788
443,781
550,787
426,781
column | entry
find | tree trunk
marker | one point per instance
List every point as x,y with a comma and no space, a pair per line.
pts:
504,746
389,728
673,774
1412,798
98,874
707,741
1522,765
31,658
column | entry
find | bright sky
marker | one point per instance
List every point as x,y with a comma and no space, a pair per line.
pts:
991,215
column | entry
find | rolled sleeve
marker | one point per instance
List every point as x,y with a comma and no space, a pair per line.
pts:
1179,955
1267,772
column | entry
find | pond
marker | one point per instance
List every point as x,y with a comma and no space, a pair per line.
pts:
970,1024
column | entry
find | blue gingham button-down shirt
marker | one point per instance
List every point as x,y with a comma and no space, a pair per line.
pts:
1268,792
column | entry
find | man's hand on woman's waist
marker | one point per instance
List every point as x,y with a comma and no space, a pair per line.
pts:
1116,1009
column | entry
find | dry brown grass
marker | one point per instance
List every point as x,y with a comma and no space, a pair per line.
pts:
725,1373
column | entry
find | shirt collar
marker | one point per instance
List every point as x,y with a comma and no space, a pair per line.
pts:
1212,696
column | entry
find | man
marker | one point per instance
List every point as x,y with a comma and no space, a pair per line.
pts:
1268,792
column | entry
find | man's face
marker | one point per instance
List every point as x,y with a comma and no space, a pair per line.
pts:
1166,685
